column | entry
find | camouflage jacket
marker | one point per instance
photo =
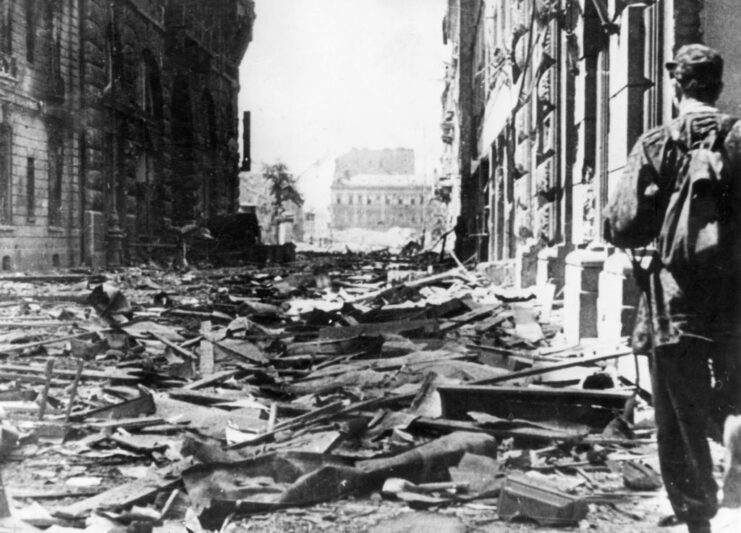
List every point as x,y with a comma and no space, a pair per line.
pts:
633,217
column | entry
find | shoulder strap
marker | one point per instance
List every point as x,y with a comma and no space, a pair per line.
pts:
716,136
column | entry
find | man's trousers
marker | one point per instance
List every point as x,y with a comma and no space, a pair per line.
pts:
695,385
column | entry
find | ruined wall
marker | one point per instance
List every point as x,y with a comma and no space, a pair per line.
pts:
161,144
365,161
39,192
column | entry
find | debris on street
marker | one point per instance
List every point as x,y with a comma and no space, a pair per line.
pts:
216,396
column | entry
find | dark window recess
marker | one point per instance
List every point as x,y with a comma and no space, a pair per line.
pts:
56,173
30,30
55,82
150,87
5,173
6,40
30,187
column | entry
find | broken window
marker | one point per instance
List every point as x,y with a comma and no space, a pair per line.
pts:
6,155
56,173
30,30
30,188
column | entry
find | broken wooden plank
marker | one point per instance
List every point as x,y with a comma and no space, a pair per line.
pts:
143,405
47,383
30,378
428,327
174,347
206,350
54,278
466,318
128,423
301,420
212,379
136,491
29,345
454,273
60,372
242,349
556,366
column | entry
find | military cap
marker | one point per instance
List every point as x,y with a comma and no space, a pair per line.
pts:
698,63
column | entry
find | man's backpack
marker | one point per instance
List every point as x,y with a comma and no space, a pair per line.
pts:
693,242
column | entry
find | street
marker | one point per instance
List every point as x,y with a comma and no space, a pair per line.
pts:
357,358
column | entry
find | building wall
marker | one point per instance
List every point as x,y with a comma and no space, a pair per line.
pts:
127,110
365,161
721,20
376,208
559,91
39,226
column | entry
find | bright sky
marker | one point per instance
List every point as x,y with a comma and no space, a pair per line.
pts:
324,76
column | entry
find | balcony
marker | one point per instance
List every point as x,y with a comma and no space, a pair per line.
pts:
8,67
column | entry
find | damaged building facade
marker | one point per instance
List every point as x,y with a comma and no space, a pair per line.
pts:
543,101
118,121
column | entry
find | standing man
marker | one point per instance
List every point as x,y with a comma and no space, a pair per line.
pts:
689,315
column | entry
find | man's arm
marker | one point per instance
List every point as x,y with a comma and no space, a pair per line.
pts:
634,212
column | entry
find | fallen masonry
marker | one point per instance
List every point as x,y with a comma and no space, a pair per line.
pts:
150,400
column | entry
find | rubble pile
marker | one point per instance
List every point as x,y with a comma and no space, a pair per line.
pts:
147,400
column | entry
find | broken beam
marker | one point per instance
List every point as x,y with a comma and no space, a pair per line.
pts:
550,368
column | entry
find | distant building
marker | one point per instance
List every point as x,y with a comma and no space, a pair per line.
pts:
380,201
316,226
377,190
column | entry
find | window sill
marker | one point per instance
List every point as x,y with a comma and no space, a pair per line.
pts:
56,229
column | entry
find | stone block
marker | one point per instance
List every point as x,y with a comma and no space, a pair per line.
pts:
581,292
551,262
618,298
